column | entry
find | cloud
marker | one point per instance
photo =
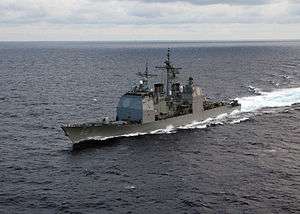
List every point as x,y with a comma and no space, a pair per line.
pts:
142,12
210,2
161,15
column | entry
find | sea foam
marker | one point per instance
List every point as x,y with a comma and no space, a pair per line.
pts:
277,98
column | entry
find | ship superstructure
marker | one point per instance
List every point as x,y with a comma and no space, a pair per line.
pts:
143,104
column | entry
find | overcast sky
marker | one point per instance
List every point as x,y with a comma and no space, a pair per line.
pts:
149,19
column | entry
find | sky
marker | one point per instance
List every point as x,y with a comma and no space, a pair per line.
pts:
132,20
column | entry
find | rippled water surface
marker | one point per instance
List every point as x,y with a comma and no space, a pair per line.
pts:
248,162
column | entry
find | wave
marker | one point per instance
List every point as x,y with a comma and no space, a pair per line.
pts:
254,90
277,98
117,136
239,120
197,125
168,130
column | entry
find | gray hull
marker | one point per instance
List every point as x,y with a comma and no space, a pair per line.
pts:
99,131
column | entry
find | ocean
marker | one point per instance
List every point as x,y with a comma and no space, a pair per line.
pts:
247,162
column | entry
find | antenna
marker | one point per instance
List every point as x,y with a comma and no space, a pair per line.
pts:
147,69
170,70
168,55
146,75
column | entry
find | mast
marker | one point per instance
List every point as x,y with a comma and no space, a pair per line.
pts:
171,72
146,75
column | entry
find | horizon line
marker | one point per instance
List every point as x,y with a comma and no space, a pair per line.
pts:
163,40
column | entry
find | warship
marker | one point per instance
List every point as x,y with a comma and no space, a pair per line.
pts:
145,109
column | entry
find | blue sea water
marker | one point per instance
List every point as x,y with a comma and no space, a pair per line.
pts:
248,163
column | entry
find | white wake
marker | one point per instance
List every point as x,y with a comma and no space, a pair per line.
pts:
277,98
